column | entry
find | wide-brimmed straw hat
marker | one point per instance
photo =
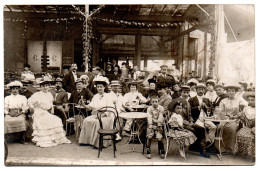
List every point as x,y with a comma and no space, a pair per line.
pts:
15,84
232,85
101,80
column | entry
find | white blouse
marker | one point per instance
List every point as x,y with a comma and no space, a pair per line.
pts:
176,120
98,101
41,100
29,76
15,102
134,98
211,96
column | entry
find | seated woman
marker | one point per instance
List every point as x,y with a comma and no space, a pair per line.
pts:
183,137
132,99
230,108
15,109
245,138
89,133
47,128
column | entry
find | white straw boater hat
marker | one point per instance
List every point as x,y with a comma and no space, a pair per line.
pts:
15,84
101,79
115,83
201,85
193,80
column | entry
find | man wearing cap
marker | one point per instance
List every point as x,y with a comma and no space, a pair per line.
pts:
60,97
70,78
211,94
115,85
165,78
199,104
80,93
221,95
27,75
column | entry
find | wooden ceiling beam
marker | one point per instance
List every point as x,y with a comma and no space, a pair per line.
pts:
133,31
9,8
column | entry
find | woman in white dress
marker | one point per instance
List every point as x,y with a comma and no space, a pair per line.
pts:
47,128
89,133
230,108
15,109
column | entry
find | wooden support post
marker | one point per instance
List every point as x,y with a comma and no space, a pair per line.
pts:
86,31
138,45
205,56
96,45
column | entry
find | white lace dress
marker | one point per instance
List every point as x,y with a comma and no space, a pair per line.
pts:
47,128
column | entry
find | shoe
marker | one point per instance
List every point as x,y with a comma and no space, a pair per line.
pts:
148,156
118,138
204,154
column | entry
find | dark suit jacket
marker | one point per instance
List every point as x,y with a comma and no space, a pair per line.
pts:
218,100
69,82
62,96
194,104
114,76
168,80
75,96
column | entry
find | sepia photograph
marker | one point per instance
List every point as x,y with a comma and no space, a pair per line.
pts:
129,84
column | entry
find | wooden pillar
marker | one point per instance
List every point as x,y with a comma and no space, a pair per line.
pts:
96,45
138,45
205,56
196,56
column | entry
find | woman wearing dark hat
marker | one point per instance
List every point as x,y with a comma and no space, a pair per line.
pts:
15,109
230,107
245,137
152,91
89,134
47,128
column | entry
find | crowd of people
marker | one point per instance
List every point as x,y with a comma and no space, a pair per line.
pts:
181,107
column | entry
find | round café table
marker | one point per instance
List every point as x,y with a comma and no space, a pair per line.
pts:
139,108
219,132
133,129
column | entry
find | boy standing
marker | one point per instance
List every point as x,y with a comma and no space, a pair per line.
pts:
155,123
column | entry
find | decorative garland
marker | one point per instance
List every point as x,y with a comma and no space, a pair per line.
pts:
213,44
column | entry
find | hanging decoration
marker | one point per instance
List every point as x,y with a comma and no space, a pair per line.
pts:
124,23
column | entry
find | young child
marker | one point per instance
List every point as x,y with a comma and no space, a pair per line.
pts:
182,137
155,123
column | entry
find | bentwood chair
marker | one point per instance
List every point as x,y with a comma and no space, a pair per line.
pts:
111,133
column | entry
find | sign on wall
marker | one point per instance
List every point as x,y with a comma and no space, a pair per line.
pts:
35,51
